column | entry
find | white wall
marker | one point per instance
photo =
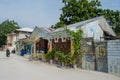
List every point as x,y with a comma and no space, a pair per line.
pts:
21,35
92,29
11,39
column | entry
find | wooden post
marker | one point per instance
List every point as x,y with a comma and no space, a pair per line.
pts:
72,47
34,55
50,46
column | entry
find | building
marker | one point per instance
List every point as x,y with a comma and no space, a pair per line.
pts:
14,38
40,39
95,32
96,28
11,41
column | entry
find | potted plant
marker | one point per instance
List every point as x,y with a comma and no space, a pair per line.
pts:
61,58
67,60
49,56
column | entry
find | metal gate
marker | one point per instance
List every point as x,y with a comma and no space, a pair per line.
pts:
101,56
94,55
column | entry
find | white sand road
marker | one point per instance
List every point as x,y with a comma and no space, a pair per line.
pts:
19,68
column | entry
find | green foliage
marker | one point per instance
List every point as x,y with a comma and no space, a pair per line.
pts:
2,39
6,27
113,18
77,36
59,24
79,10
50,54
60,56
67,59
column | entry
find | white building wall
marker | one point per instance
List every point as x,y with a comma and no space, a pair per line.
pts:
11,39
92,29
22,35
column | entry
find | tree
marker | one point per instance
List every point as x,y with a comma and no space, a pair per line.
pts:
79,10
113,18
59,24
7,27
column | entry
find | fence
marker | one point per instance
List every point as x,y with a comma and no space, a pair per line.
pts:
94,55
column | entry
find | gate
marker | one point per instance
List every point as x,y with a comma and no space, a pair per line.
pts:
94,55
101,56
88,62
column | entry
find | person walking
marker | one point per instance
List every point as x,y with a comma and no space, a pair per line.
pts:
7,53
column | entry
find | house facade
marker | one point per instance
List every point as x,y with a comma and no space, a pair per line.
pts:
95,32
96,28
40,39
100,52
13,39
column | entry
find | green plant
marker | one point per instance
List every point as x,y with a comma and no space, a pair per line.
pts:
67,59
50,55
59,55
47,56
77,36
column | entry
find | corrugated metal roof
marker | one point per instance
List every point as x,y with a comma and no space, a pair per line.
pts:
78,24
37,30
102,22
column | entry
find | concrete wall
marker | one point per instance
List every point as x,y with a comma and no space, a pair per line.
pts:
113,49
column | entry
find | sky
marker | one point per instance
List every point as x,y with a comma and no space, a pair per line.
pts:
41,13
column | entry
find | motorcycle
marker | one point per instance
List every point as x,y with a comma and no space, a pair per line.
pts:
7,53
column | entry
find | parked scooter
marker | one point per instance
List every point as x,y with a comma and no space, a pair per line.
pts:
7,53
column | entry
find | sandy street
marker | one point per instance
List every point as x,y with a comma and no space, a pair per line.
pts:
19,68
